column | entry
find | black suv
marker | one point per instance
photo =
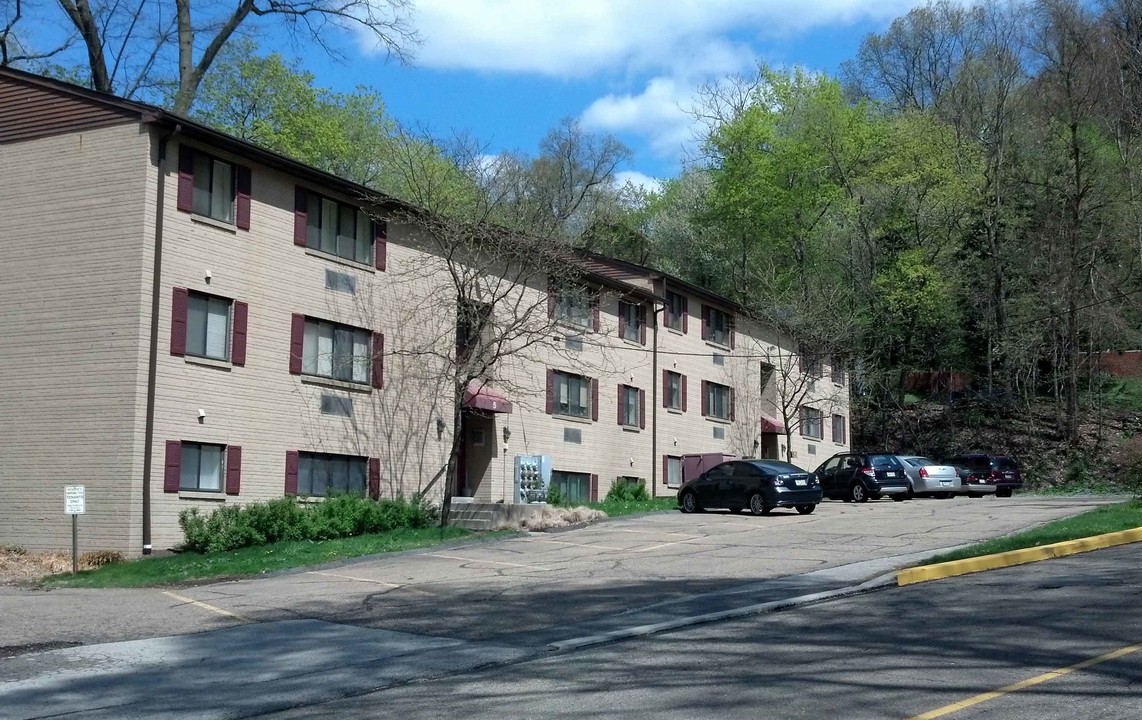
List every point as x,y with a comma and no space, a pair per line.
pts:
858,477
998,471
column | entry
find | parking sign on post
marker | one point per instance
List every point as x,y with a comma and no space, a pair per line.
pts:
74,504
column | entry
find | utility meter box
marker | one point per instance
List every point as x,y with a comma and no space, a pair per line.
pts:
532,478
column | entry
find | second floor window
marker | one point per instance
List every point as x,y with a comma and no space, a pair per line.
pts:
718,401
630,406
672,391
207,326
339,229
839,429
837,370
335,351
572,395
811,423
213,188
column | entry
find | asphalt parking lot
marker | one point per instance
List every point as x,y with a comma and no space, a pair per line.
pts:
540,586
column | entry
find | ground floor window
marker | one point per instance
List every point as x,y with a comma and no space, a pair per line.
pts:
575,487
673,471
322,474
201,467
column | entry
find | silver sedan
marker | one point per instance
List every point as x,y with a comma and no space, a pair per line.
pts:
927,477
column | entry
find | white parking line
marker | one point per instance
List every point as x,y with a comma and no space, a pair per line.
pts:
582,545
395,586
662,545
493,562
650,532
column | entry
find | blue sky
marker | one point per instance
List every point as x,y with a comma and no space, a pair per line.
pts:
509,70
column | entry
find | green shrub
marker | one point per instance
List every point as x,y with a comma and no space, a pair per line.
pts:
99,558
626,490
555,496
232,527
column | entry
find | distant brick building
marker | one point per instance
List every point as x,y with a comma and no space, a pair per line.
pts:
1120,363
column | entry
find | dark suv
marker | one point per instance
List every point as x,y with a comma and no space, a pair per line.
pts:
997,471
858,477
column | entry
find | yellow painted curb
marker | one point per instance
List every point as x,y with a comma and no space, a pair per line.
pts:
924,573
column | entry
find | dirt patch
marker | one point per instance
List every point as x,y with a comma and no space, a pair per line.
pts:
557,517
17,566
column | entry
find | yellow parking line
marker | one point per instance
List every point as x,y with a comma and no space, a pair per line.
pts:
207,606
1029,682
493,562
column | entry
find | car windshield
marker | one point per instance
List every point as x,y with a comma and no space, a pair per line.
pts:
921,461
881,461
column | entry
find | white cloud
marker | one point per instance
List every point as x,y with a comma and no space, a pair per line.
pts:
578,39
642,180
660,112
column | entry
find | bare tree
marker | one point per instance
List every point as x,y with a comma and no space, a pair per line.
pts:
12,50
142,44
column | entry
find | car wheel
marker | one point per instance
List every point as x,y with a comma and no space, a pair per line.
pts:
689,503
806,509
736,511
902,496
1003,492
757,505
911,493
857,493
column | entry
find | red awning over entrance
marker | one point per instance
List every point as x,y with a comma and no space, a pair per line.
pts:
772,425
479,396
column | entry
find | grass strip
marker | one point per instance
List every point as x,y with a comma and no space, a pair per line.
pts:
614,508
1111,518
253,561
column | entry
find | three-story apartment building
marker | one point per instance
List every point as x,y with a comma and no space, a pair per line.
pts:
190,320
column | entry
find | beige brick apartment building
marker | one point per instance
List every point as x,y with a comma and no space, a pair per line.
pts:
189,320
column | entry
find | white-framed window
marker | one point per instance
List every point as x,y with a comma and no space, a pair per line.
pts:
213,188
573,304
717,401
335,351
339,229
207,326
811,423
839,429
200,467
673,471
673,390
675,310
323,474
576,487
631,315
719,324
572,395
629,400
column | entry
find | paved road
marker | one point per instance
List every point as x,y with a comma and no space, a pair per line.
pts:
897,653
541,587
238,649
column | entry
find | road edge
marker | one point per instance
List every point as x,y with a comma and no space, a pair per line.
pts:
953,568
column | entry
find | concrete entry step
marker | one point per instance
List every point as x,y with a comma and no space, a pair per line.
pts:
485,516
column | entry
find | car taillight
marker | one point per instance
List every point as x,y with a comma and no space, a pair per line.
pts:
868,471
923,472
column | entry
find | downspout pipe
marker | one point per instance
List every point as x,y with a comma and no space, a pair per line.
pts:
654,384
153,359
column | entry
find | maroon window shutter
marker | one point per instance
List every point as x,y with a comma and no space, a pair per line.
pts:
665,470
705,402
233,469
292,463
622,322
296,343
550,406
731,404
550,298
642,324
642,409
682,391
185,179
665,388
594,487
178,320
685,314
619,403
238,333
375,478
705,325
173,471
381,244
733,333
300,216
595,322
244,187
594,399
378,360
